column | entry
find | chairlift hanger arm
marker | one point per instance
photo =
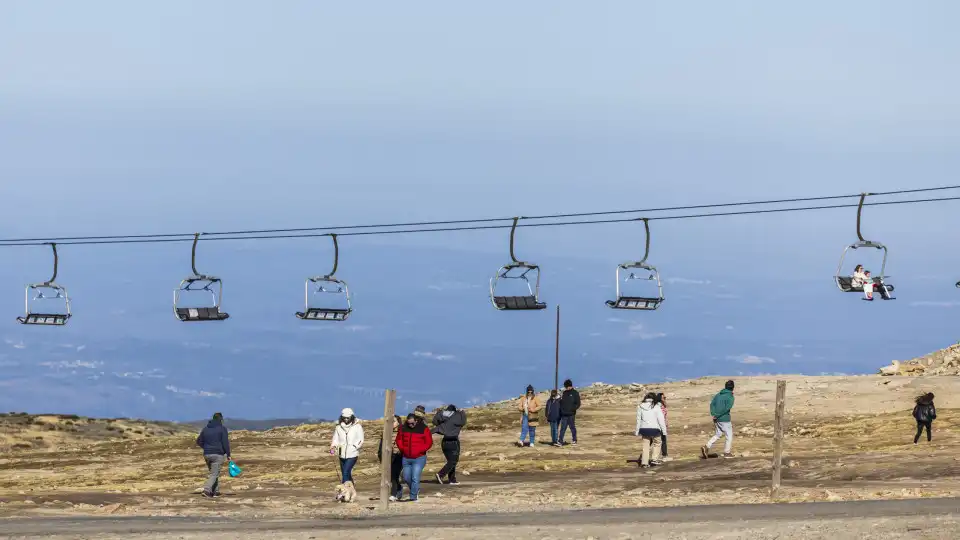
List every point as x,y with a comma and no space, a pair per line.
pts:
863,197
336,256
56,263
646,249
513,233
193,254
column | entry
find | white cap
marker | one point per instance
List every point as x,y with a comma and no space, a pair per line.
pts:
347,413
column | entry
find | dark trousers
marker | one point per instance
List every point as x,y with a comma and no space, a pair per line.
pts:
663,445
451,451
396,469
346,469
571,422
920,427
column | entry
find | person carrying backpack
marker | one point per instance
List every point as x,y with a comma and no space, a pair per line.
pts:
448,424
924,412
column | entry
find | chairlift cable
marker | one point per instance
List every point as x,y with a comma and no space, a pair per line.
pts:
237,236
271,233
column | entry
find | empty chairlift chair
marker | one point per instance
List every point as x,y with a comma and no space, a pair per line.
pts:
517,270
55,296
188,311
638,270
330,290
843,281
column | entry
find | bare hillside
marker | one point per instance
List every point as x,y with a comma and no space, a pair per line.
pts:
847,438
22,431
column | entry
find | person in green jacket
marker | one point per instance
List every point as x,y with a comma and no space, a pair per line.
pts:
720,408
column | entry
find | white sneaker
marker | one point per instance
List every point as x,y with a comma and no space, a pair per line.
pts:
531,445
666,458
392,499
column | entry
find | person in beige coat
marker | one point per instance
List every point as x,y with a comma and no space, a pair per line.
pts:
529,420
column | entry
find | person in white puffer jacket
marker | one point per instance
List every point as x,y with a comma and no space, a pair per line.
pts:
346,443
651,426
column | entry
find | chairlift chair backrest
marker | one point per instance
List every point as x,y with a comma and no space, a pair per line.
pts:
54,292
195,283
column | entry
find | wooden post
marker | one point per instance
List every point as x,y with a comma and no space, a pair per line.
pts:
778,437
389,406
556,368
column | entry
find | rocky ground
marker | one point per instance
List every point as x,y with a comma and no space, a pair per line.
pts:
942,362
848,438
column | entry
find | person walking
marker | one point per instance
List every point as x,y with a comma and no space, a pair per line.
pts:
569,405
924,412
720,407
529,418
651,426
553,416
662,401
414,441
346,443
448,423
215,442
396,461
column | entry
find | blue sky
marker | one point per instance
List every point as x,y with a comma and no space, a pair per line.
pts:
123,117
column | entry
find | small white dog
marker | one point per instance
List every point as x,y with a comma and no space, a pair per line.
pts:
346,492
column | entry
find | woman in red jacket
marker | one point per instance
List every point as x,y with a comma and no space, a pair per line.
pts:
414,440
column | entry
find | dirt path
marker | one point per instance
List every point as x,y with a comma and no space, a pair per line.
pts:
931,515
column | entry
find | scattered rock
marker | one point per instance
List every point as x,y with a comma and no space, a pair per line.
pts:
111,508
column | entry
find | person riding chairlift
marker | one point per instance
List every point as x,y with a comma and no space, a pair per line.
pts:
868,287
862,279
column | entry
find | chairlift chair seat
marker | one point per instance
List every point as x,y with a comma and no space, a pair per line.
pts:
324,314
45,319
845,283
518,302
635,302
201,314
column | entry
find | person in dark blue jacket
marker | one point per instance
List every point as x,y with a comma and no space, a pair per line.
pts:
216,451
553,416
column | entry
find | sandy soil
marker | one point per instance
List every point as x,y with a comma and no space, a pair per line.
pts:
849,438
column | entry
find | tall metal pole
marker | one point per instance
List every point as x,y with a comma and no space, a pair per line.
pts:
556,370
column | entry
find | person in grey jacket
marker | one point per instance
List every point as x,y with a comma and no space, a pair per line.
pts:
215,442
448,423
